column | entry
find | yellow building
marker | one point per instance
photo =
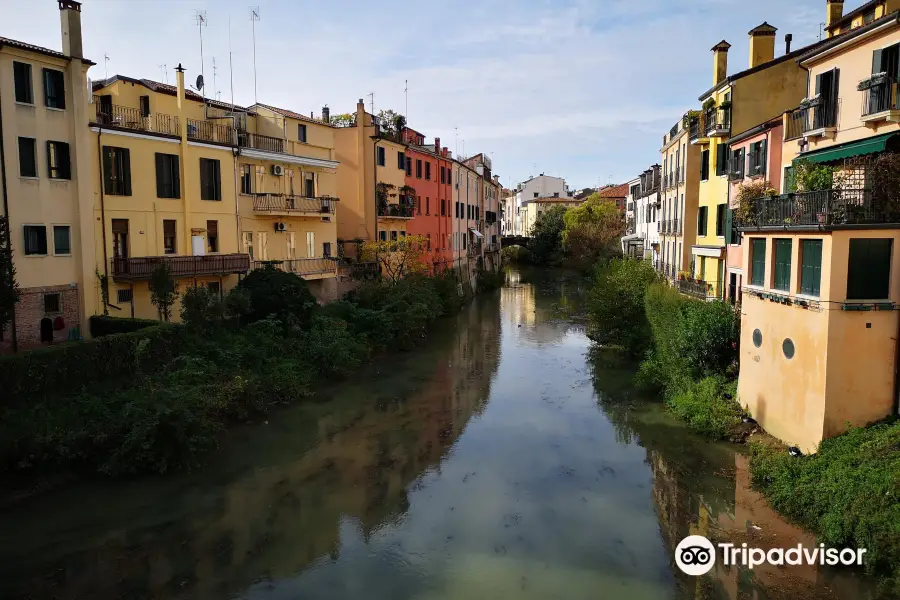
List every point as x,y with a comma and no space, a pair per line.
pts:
47,183
767,88
680,189
836,22
534,208
819,317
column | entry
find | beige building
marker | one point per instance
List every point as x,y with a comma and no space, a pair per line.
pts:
534,208
680,191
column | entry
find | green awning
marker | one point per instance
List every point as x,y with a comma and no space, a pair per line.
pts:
870,145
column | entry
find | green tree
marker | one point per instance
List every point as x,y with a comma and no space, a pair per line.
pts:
9,288
593,230
163,291
546,236
616,305
342,120
392,123
273,292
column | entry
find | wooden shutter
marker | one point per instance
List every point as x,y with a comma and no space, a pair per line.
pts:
161,191
108,179
763,156
758,261
728,226
169,227
868,269
782,264
145,106
125,158
876,61
810,266
835,86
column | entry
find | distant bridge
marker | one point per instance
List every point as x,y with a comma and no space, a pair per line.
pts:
514,240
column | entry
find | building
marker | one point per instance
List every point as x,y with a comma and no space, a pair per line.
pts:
489,201
533,209
429,173
542,186
837,23
764,90
647,213
507,211
680,190
632,241
47,183
819,320
615,193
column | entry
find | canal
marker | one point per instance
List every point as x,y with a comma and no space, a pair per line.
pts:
503,459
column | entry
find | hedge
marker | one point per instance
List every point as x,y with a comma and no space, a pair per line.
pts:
103,326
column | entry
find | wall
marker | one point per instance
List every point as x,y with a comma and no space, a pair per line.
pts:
429,222
765,94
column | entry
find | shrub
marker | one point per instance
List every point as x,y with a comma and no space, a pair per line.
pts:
707,337
102,325
547,236
702,405
616,305
202,308
274,292
163,291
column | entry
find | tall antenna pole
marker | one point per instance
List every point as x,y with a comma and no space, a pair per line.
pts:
201,22
230,64
406,92
456,141
105,65
254,17
372,102
215,92
163,76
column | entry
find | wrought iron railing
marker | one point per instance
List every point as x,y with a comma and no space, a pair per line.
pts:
403,211
289,203
795,124
142,267
302,266
697,288
879,95
260,142
825,208
125,117
671,227
697,128
718,120
820,114
207,131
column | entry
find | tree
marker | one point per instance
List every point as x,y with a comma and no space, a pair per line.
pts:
9,288
398,258
546,236
593,230
342,120
274,292
163,291
616,305
392,123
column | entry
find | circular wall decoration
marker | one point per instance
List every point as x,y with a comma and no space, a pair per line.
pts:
788,348
757,338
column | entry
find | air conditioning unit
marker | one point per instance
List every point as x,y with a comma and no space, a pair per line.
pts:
280,226
277,170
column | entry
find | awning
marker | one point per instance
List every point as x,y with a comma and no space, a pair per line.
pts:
633,237
870,145
477,233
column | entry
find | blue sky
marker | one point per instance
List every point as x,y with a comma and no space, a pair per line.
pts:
583,89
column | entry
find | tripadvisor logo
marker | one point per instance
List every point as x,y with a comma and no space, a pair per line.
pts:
695,555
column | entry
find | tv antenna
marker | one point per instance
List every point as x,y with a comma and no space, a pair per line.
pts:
372,103
254,17
163,76
200,19
406,93
105,65
215,87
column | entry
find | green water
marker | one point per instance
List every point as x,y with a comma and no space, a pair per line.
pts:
500,460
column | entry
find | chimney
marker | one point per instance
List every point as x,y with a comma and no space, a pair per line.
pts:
788,38
444,152
70,18
437,145
326,114
720,62
762,44
834,11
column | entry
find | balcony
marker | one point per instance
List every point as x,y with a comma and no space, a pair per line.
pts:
822,209
207,131
396,211
718,122
880,102
670,227
180,266
302,266
702,290
795,123
821,118
697,128
125,117
667,270
256,141
286,203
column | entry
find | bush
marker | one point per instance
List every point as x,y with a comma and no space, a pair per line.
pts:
101,325
703,406
616,305
547,236
847,493
274,292
202,308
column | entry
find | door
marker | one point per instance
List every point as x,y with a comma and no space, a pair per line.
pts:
120,238
105,111
732,288
310,244
263,249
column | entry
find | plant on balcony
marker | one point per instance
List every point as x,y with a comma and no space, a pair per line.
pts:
725,104
884,182
688,117
708,104
383,192
811,101
747,198
814,177
163,291
875,80
9,288
399,258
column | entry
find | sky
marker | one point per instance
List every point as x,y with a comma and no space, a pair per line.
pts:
580,89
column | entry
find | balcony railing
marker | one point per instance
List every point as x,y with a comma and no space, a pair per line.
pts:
302,266
287,203
207,131
670,227
718,121
668,270
180,266
826,208
820,114
879,95
795,124
695,288
401,211
112,115
260,142
697,128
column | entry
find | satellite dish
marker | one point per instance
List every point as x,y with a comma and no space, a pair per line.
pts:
199,82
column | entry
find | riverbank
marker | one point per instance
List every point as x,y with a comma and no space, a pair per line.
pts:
159,399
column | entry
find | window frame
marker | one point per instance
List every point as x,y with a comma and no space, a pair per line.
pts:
427,170
757,277
59,303
36,170
56,170
212,225
28,72
401,160
164,165
25,228
865,278
250,175
702,219
805,270
113,158
54,102
380,156
302,133
68,229
720,219
174,236
211,168
781,268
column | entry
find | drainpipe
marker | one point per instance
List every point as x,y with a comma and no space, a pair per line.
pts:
105,292
897,373
375,193
11,282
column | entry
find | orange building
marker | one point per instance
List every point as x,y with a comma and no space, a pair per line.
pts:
428,171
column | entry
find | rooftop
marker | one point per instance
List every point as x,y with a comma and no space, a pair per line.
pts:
614,191
38,49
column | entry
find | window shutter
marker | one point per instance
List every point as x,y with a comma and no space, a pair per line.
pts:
811,267
65,160
50,164
161,191
728,225
876,61
762,156
818,84
108,170
145,106
125,153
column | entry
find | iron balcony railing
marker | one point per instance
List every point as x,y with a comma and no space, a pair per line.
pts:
697,288
125,117
180,266
825,208
665,268
260,142
671,227
795,124
821,113
302,266
879,95
718,120
287,203
697,128
207,131
403,211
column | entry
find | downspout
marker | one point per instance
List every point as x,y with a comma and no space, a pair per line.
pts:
104,293
236,152
375,195
897,372
11,282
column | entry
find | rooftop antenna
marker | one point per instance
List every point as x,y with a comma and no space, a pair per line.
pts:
372,102
105,65
254,17
821,29
456,140
200,19
406,92
163,76
230,65
215,89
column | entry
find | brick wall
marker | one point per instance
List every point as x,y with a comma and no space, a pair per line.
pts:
30,311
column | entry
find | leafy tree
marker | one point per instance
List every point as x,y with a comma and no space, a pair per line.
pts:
274,292
392,123
342,120
163,291
616,305
546,236
9,288
593,230
398,258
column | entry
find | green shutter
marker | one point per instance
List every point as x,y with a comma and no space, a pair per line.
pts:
869,269
758,262
876,62
161,191
125,154
728,226
108,170
810,267
782,265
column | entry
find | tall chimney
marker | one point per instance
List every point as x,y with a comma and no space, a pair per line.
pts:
834,11
720,62
326,114
788,38
70,19
762,44
437,145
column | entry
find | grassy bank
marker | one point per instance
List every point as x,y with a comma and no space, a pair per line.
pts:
157,399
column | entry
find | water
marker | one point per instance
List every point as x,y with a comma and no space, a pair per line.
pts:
498,461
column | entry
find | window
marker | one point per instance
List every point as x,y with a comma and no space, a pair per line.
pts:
52,303
382,235
168,179
419,205
27,157
782,279
737,164
169,236
428,241
24,88
35,240
248,243
214,287
120,238
868,16
310,244
62,242
758,261
757,162
428,171
59,165
721,159
246,179
418,169
326,249
720,219
210,179
869,269
556,194
301,133
810,266
124,296
704,165
380,156
449,177
401,160
393,236
408,167
116,171
535,194
427,205
443,174
825,113
212,236
702,218
54,89
443,207
309,186
458,211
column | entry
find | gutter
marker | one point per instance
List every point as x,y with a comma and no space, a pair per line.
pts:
104,292
11,282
